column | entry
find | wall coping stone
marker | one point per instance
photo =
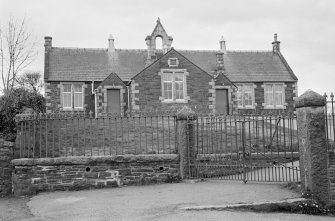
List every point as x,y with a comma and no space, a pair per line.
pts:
186,113
6,143
128,158
310,99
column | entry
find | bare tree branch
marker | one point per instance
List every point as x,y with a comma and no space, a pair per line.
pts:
17,51
32,80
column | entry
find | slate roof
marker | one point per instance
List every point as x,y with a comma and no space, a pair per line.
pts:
80,64
245,66
112,79
75,64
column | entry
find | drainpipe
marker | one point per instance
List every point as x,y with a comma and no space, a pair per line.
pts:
95,100
128,91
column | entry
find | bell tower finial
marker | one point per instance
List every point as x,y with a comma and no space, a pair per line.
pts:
158,20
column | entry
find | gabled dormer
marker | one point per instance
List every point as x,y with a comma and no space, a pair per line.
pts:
150,40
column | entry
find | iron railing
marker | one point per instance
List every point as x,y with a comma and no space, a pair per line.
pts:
247,147
78,134
330,121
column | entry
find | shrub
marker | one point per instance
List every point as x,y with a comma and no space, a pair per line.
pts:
15,102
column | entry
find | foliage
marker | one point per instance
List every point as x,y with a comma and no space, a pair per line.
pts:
313,208
17,51
15,102
31,80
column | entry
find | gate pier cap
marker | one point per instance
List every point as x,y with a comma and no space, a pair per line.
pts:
186,113
310,99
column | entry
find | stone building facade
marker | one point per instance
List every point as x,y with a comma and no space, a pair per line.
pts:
117,81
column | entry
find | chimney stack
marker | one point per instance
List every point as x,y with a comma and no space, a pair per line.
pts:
223,45
47,42
47,46
111,47
275,45
219,55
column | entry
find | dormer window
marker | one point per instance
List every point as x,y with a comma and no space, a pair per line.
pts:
173,62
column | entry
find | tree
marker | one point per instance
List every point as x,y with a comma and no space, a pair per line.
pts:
15,102
17,51
32,80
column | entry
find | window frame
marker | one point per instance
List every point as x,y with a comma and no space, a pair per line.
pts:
170,62
273,94
243,92
73,107
67,93
81,96
174,72
167,81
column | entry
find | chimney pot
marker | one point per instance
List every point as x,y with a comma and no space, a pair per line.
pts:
111,47
275,44
223,45
47,42
111,37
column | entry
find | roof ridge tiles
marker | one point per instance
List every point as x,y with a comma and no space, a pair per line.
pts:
229,51
127,49
188,50
249,51
97,49
142,50
80,49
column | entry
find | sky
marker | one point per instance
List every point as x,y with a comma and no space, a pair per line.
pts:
306,28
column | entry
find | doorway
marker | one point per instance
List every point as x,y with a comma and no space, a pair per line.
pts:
221,101
113,101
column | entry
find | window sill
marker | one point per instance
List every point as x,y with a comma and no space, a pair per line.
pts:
274,107
72,109
249,107
176,102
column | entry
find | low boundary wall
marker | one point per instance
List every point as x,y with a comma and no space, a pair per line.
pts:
331,174
6,155
31,176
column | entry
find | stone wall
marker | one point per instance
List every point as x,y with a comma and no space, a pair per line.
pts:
31,176
6,155
148,89
53,97
331,173
290,97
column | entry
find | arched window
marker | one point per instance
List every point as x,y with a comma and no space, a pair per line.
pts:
159,43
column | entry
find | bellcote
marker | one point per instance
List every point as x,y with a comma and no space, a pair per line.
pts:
150,40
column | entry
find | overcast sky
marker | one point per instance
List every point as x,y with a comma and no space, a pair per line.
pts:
306,28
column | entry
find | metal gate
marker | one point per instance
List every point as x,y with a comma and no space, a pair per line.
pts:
247,148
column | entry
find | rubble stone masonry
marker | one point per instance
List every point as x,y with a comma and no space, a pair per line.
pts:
31,176
331,169
148,89
6,155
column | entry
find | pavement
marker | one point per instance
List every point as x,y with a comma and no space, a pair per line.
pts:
158,202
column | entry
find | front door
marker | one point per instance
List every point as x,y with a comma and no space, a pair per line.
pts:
113,101
221,101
